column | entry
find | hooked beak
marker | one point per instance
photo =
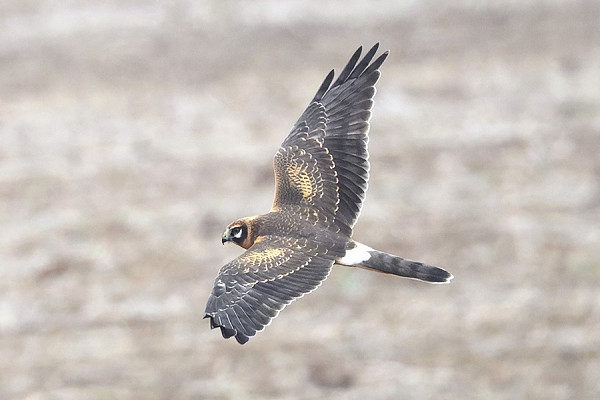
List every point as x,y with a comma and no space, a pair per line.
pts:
226,237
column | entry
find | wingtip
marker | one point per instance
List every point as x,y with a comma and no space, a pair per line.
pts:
228,332
242,339
375,47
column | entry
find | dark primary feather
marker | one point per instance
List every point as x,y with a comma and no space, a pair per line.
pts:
324,86
347,69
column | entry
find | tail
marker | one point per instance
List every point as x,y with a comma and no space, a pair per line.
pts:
365,257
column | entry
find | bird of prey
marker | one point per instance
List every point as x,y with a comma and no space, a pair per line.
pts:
321,173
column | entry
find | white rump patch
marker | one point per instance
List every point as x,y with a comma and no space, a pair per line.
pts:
356,256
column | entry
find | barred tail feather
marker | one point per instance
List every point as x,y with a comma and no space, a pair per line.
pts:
365,257
390,264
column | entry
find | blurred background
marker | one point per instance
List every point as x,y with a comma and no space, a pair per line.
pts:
132,132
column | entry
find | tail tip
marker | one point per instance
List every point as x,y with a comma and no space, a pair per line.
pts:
441,279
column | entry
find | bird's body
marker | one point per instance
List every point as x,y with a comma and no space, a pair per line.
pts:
321,174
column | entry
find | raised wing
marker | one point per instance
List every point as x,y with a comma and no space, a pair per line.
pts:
251,290
333,133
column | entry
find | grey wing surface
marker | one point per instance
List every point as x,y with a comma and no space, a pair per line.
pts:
339,114
252,289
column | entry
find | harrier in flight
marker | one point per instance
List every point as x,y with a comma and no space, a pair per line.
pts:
321,173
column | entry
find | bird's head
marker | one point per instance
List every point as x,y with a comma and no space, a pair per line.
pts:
238,232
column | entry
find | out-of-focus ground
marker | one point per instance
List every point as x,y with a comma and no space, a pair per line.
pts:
132,132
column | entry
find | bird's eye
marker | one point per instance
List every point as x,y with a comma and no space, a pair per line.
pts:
236,232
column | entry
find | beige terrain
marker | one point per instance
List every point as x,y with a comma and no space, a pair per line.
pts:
132,132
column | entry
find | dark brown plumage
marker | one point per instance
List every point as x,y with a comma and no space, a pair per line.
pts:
321,173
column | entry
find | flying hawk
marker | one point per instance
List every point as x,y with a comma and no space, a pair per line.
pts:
321,173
